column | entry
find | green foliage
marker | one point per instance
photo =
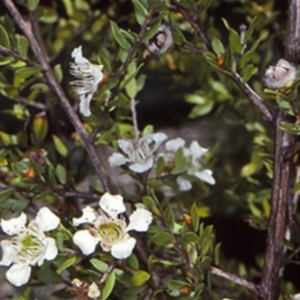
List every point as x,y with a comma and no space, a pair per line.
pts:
50,154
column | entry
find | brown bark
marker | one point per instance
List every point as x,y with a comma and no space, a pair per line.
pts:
281,194
283,168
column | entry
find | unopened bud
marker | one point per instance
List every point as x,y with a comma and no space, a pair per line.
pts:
29,173
280,76
162,40
187,219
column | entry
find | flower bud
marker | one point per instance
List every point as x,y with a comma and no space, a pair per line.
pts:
162,41
282,75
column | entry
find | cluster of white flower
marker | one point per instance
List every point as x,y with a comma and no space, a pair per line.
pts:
140,156
28,246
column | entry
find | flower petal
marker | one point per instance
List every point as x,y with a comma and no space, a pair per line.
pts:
46,219
140,220
14,225
88,216
123,249
8,251
126,146
158,138
175,144
50,250
117,159
84,105
196,150
85,241
184,184
77,55
18,274
112,204
142,167
206,176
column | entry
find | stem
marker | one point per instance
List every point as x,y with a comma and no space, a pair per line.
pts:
236,279
39,53
266,112
134,119
281,187
281,195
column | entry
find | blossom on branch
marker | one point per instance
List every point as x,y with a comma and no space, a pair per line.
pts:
138,155
28,246
108,229
195,152
282,75
162,40
88,78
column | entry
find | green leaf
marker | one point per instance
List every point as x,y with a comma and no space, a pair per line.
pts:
32,4
6,60
148,129
120,39
46,275
26,72
160,165
248,72
217,46
133,262
182,166
235,41
68,7
96,185
39,129
4,38
41,87
139,278
108,286
169,217
140,12
68,263
151,32
195,217
60,146
61,174
41,195
58,73
22,45
99,265
163,238
5,194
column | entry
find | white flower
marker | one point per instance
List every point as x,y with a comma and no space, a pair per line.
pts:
195,151
280,75
93,291
84,289
162,41
108,229
88,78
29,246
139,155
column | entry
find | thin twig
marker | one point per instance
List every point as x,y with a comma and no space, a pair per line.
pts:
58,91
266,112
134,119
15,55
236,279
194,24
194,48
